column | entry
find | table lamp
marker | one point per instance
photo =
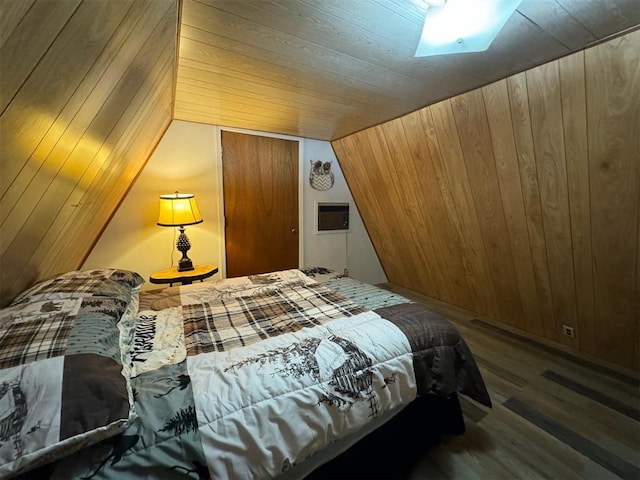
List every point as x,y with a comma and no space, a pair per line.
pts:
179,210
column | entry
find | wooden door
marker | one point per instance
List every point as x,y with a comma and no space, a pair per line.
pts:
260,177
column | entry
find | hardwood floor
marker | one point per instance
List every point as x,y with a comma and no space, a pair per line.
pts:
554,415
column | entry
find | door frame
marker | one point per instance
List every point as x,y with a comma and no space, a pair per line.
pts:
223,246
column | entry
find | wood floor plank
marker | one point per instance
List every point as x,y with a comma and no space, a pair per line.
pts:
554,415
470,454
582,444
526,452
558,355
610,402
581,415
606,384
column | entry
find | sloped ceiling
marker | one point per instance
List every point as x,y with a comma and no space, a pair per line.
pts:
519,200
87,92
325,69
88,88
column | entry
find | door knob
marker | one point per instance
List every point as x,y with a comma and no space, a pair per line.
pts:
293,230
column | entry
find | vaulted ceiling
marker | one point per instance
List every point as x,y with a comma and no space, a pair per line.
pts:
88,88
325,69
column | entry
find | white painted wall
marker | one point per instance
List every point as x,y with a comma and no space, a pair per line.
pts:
187,160
351,250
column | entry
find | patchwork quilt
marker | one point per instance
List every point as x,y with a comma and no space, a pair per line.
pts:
363,293
246,378
243,378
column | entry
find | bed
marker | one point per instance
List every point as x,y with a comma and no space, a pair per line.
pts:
262,376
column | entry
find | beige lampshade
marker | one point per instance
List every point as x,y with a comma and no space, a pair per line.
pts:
178,209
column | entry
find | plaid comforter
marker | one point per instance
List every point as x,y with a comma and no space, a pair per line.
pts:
250,377
246,320
178,322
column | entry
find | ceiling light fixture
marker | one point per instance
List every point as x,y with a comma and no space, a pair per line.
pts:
462,26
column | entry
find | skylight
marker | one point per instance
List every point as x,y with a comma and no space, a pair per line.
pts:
460,26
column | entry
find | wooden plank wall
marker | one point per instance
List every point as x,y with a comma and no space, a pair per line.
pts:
520,200
87,92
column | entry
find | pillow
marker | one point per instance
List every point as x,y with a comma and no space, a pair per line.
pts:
98,282
127,277
62,384
46,322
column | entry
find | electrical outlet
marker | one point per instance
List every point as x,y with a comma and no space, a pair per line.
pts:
568,331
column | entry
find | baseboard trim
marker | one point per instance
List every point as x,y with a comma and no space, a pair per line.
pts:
613,372
624,374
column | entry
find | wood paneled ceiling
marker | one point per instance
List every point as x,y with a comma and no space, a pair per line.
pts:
86,93
325,69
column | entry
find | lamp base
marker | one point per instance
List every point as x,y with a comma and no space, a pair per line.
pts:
183,246
185,264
